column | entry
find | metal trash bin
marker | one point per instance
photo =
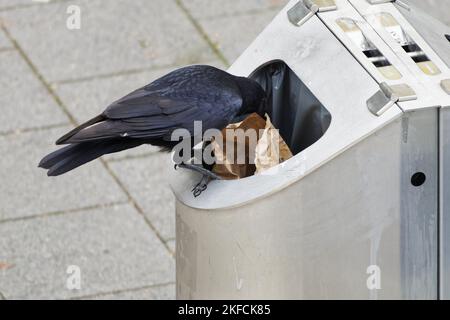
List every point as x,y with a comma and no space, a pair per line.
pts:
364,104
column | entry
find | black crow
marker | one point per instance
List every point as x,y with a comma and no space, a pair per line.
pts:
150,114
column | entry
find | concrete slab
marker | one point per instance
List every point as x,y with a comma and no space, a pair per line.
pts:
227,32
25,190
11,4
123,35
206,9
146,180
25,101
166,292
113,248
4,42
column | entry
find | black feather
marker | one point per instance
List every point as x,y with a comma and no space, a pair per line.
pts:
73,156
150,114
91,122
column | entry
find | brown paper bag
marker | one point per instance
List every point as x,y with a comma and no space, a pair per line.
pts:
271,149
258,157
226,164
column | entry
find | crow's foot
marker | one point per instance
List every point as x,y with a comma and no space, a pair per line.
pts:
201,186
207,176
199,169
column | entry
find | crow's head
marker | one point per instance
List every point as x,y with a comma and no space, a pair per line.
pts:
253,96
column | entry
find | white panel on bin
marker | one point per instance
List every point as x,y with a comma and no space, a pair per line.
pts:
427,86
336,21
432,30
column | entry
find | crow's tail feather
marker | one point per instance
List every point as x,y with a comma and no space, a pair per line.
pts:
75,155
89,123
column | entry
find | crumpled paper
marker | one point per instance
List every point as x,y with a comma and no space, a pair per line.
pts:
271,149
268,151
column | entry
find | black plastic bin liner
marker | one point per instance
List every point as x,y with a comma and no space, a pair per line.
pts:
293,109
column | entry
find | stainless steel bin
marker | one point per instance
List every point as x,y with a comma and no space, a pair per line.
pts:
368,191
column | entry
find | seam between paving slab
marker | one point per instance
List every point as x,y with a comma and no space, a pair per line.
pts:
6,49
27,129
174,250
33,129
243,13
113,74
101,294
62,212
36,72
27,5
73,121
154,286
202,32
135,204
127,72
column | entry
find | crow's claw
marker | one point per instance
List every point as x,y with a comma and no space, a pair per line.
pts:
198,169
207,176
199,188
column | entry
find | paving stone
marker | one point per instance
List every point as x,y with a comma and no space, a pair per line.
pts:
24,100
113,248
4,42
166,292
25,190
227,32
123,35
11,4
86,99
202,9
146,180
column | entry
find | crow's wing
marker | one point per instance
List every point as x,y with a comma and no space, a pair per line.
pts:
155,111
178,91
144,103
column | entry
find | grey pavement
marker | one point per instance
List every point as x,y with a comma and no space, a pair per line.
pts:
161,292
223,30
113,218
27,191
115,36
32,101
111,245
207,9
4,43
146,179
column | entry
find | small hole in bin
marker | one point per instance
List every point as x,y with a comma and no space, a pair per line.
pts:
418,179
448,37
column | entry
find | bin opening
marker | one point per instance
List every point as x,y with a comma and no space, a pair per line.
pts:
293,108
